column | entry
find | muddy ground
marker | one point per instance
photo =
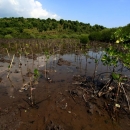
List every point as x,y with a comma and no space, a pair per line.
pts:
59,103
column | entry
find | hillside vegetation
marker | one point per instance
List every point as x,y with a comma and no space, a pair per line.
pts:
26,28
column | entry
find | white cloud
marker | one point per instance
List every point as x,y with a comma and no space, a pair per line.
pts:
24,8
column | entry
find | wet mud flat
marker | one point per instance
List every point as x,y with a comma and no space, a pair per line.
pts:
64,98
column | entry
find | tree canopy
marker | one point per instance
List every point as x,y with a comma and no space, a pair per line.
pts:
24,27
50,28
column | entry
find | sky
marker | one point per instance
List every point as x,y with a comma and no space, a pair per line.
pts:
108,13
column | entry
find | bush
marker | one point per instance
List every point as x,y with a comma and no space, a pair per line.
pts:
8,36
1,36
75,36
64,36
84,38
54,36
106,35
95,36
44,37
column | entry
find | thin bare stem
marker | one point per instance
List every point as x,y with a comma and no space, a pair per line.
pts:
31,89
10,66
128,103
8,53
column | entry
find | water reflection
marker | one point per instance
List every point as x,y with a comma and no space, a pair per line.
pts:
82,64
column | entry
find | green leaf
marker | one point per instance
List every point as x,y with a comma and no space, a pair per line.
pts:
115,76
96,61
36,72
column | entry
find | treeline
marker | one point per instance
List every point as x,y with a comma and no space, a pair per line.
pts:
41,28
50,28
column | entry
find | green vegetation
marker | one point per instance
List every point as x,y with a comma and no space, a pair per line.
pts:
120,52
84,39
41,28
26,28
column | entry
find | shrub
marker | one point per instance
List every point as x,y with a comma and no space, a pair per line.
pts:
75,36
65,36
84,38
95,36
8,36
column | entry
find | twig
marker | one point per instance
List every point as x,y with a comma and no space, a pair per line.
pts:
10,66
106,85
118,90
84,98
126,96
8,53
9,70
31,91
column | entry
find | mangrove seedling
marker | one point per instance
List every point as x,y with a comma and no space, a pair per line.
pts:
36,74
120,79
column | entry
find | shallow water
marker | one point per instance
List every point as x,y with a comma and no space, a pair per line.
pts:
80,65
75,115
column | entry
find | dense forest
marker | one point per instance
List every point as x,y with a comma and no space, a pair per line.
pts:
50,28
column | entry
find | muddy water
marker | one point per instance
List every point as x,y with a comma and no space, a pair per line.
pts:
55,108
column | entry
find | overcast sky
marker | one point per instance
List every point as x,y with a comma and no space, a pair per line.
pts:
109,13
